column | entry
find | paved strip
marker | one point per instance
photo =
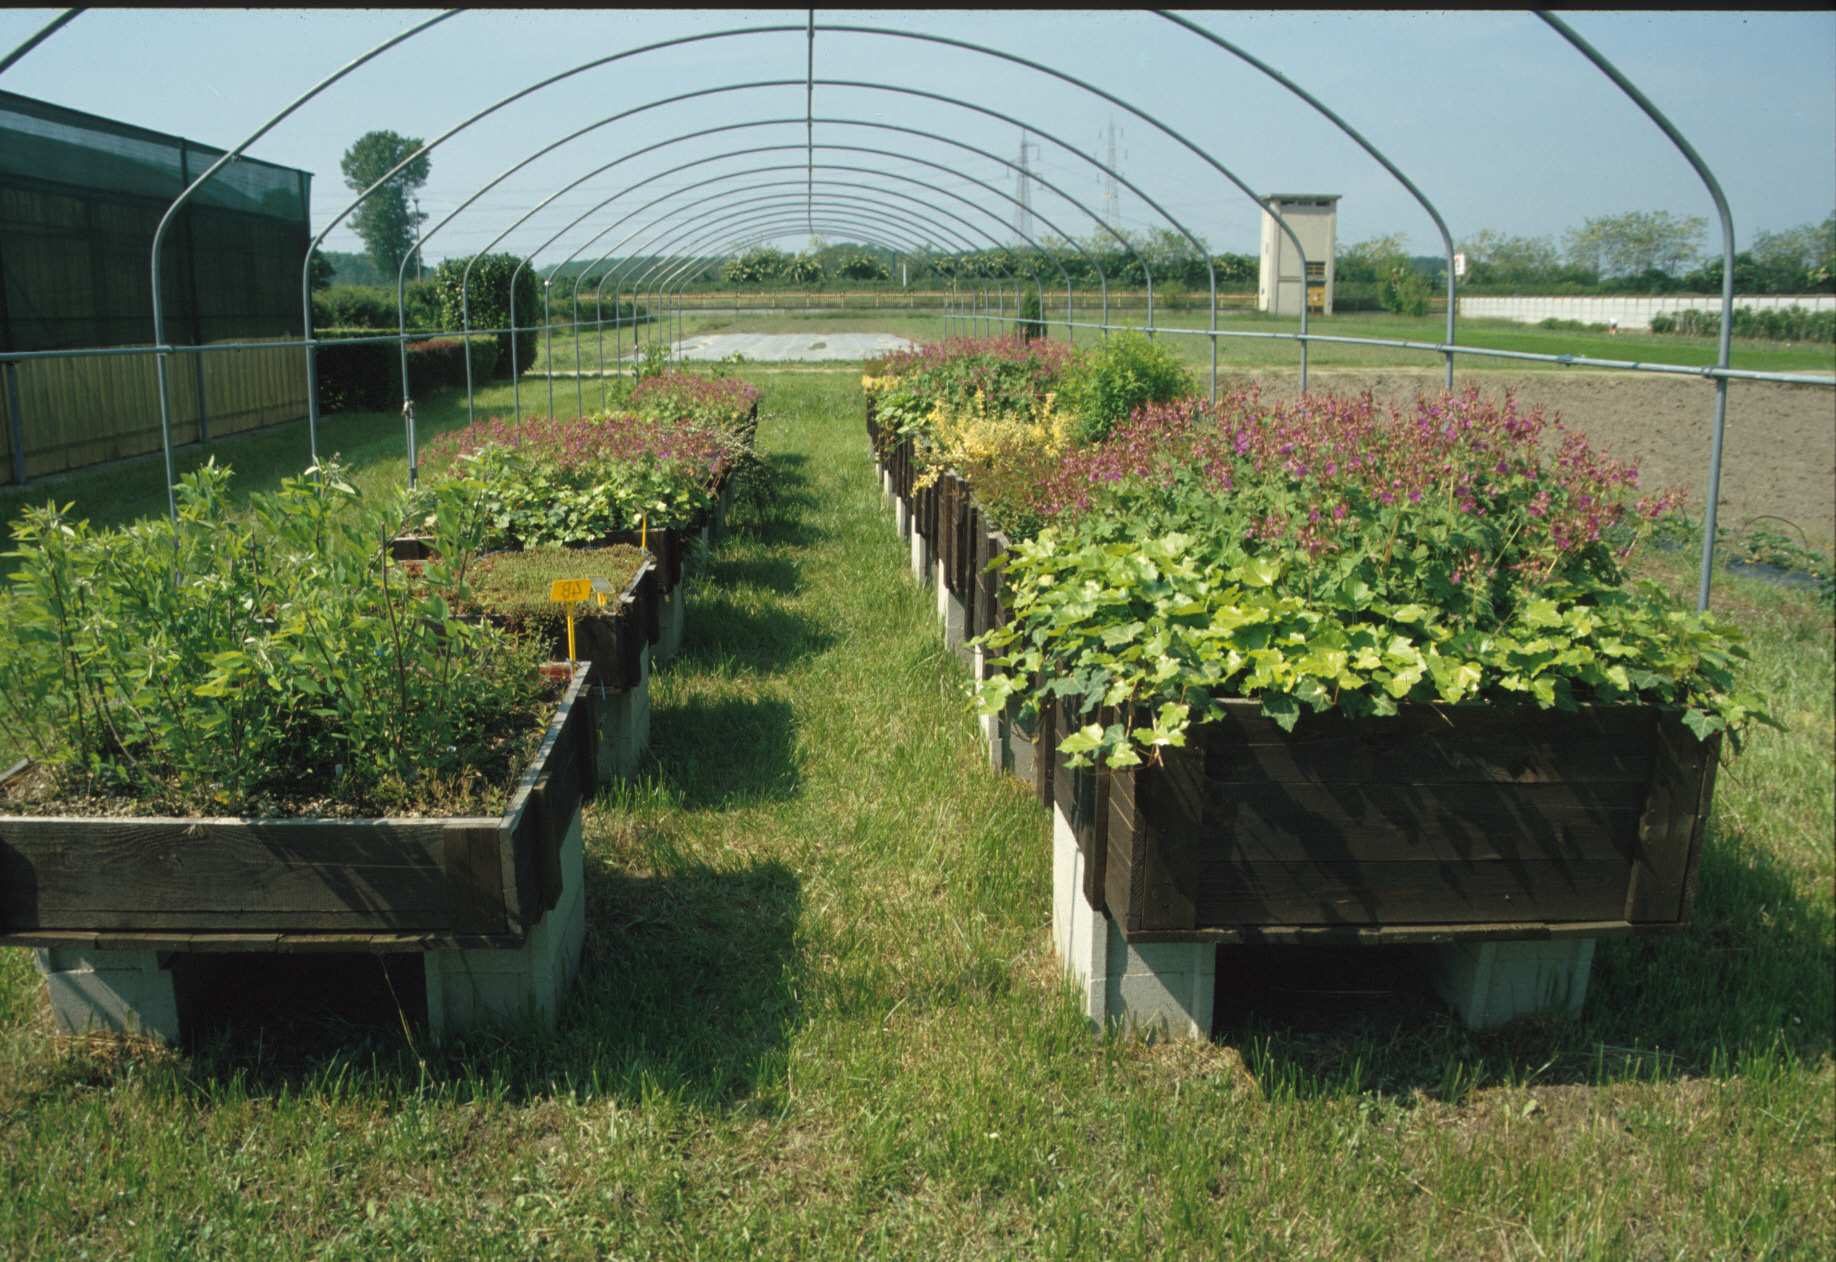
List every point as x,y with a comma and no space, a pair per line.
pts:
780,348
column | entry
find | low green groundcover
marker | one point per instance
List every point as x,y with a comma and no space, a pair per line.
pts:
514,586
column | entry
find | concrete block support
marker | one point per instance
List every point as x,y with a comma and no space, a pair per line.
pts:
902,516
923,559
526,983
1490,983
624,726
1165,987
951,611
111,992
670,622
994,732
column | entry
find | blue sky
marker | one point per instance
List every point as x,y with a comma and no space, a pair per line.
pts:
1498,121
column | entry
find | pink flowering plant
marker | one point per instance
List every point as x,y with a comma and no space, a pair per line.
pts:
1328,552
719,403
552,481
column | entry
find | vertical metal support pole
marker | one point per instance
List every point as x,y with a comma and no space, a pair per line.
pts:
465,325
165,432
1105,280
197,364
408,437
1709,528
516,376
579,401
599,331
312,397
548,339
15,422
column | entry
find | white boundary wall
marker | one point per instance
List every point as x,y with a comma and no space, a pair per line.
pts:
1632,312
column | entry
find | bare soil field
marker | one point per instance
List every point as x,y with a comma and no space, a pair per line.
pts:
1780,454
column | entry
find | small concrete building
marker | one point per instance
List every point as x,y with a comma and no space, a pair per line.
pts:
1314,217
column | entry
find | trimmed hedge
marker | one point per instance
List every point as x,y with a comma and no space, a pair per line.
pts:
1788,324
367,376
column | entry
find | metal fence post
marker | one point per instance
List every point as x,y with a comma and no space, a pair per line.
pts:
15,423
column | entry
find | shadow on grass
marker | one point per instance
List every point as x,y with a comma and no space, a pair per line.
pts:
718,755
761,641
1748,978
779,575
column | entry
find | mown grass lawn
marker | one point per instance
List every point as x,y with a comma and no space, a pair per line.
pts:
819,1015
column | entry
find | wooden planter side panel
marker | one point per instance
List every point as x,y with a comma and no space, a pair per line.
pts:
1448,817
228,874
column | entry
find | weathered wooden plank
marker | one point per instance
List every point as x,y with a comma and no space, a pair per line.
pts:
104,874
474,876
1305,892
1243,722
1418,751
1401,934
1170,812
1453,823
1669,832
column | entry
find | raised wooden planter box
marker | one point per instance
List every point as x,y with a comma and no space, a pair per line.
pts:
109,902
298,883
1439,824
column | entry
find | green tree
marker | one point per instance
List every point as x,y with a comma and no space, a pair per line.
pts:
862,266
803,269
386,221
1494,258
321,271
487,302
1636,243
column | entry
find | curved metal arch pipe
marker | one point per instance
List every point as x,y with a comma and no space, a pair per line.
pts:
44,33
818,215
678,271
938,166
771,229
165,223
672,232
749,151
666,196
929,135
993,240
1148,118
963,243
1439,223
1726,217
941,97
464,293
312,400
894,214
897,213
599,291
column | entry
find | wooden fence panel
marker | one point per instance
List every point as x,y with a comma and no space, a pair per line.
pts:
85,411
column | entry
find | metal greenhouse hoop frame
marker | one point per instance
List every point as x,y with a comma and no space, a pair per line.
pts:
722,224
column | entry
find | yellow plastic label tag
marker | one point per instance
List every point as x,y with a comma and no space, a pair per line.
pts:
570,590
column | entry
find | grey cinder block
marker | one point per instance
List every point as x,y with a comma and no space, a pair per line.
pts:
1163,987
